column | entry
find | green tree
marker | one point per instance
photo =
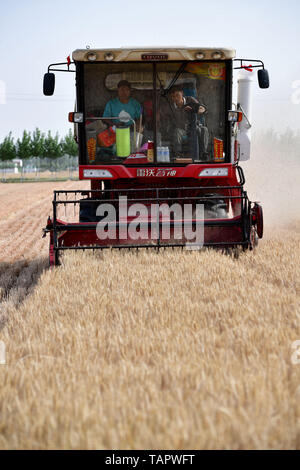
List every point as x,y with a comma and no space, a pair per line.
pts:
8,148
37,143
68,145
52,147
24,146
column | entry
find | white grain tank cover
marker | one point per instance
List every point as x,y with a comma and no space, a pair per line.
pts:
245,81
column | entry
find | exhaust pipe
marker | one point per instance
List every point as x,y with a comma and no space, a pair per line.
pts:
245,81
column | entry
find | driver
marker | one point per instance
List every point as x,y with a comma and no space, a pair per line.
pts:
183,108
123,106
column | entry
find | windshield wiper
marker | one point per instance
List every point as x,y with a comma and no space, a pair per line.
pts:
165,91
174,79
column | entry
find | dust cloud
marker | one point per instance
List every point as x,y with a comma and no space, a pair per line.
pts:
273,178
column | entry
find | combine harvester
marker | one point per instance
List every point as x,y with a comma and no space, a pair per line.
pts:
161,141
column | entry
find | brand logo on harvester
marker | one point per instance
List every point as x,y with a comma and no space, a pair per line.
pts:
2,353
155,221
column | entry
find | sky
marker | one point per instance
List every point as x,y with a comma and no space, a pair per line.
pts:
35,33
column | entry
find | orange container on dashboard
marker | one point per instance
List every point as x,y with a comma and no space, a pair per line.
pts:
107,137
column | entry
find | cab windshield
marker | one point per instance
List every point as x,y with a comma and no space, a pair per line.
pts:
155,112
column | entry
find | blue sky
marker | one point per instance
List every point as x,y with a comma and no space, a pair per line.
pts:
35,33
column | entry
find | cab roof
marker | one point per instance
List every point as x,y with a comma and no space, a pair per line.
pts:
127,54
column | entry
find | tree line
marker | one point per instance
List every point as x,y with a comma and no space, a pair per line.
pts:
38,144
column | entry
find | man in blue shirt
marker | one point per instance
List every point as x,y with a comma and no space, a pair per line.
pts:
124,107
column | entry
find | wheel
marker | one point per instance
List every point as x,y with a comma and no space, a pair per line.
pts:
253,238
259,219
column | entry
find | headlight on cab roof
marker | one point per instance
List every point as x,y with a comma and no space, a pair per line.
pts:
214,172
92,56
97,173
217,55
109,56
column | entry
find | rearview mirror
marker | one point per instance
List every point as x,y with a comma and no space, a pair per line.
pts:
263,78
49,84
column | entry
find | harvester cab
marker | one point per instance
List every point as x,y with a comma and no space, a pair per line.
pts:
160,141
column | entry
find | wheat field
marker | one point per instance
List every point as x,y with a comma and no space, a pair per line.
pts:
169,350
